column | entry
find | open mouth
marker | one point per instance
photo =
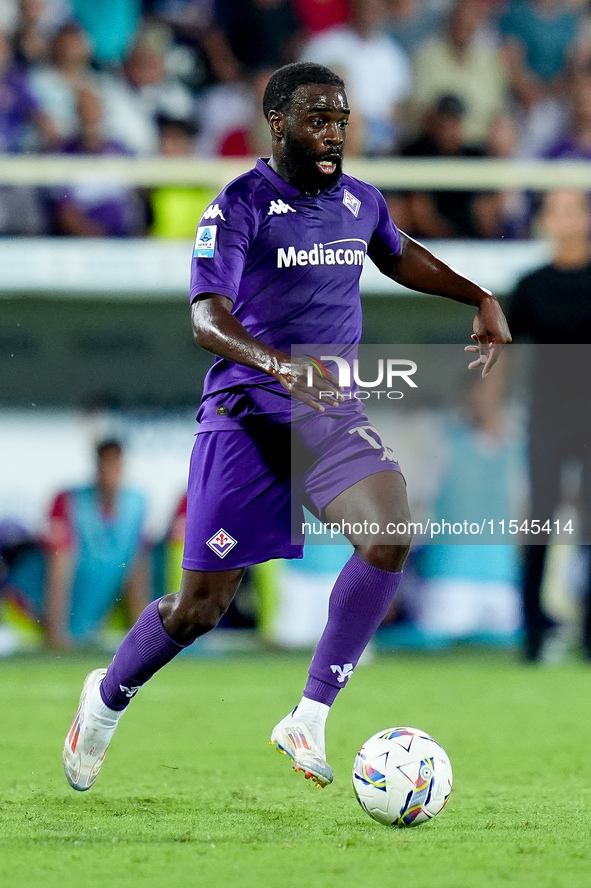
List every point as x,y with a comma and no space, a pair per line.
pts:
326,166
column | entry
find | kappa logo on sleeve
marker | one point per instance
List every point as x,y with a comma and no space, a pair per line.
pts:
213,211
352,203
205,242
278,207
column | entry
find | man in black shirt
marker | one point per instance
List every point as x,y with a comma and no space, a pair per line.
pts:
551,307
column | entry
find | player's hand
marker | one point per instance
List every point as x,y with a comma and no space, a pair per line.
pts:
491,334
304,381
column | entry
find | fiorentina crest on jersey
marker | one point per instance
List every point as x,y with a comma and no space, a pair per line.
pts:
278,207
205,242
221,543
352,203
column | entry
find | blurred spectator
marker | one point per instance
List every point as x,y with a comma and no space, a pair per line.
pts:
201,50
412,22
112,26
57,85
96,208
443,213
252,138
21,565
134,101
539,41
552,306
376,71
93,545
318,15
460,62
23,124
259,33
198,52
176,209
472,591
9,17
505,213
575,141
227,111
539,35
31,40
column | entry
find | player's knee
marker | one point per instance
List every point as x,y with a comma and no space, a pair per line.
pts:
390,557
203,615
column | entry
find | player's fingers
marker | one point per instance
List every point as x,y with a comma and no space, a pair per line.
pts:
322,384
325,394
334,380
307,399
494,353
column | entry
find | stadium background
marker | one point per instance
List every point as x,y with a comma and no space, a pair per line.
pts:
94,330
95,339
116,138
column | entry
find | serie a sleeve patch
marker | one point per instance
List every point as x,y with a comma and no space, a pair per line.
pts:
205,242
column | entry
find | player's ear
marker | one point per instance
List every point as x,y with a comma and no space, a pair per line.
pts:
276,123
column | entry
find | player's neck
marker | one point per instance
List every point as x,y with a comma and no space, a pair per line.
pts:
278,167
572,254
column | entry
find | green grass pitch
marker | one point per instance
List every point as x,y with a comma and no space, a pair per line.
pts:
192,795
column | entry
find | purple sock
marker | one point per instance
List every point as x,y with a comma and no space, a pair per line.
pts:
358,603
146,648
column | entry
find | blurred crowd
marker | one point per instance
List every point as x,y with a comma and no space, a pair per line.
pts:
184,78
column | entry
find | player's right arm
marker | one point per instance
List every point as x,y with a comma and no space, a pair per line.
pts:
224,237
217,330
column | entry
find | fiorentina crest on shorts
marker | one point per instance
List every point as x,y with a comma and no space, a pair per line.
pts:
221,543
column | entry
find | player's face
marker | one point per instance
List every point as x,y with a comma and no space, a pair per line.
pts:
314,133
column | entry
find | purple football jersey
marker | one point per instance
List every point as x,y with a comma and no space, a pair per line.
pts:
290,262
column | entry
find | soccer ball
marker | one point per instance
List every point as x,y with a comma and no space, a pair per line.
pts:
402,777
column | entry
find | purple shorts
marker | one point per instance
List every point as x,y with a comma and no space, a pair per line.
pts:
247,486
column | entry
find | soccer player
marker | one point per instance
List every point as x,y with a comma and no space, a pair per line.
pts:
278,257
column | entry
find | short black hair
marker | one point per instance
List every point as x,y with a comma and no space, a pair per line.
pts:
284,82
108,444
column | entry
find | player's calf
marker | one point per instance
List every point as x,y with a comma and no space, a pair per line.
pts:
203,599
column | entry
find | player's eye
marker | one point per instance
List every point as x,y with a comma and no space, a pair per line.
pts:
343,124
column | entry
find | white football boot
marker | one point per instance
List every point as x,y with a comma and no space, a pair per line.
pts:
294,738
89,737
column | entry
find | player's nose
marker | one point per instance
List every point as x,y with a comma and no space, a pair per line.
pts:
334,135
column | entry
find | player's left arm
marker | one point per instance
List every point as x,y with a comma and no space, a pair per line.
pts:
417,268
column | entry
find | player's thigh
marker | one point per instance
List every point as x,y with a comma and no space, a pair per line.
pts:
374,510
239,500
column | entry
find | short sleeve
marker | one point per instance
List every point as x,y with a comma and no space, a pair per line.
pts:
222,242
385,242
59,532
